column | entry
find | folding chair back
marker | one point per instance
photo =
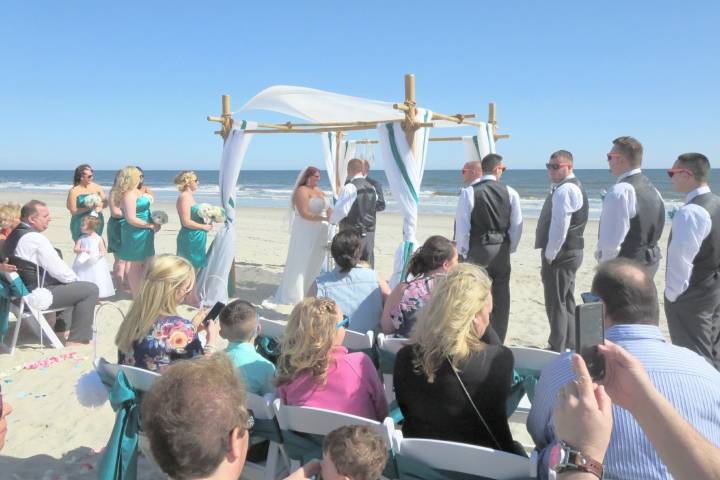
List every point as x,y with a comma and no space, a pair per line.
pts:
387,350
265,428
272,328
529,362
359,341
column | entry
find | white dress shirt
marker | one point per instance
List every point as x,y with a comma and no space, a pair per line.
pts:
36,248
691,225
466,203
346,198
619,206
566,200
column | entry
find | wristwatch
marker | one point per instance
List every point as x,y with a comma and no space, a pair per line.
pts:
564,458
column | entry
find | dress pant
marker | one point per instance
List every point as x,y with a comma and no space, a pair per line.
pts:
368,248
558,280
81,297
694,319
496,260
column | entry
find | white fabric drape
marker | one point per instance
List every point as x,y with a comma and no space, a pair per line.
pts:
347,152
477,146
404,170
212,281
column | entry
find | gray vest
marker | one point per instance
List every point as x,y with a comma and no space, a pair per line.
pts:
490,217
647,225
362,213
574,238
27,270
707,260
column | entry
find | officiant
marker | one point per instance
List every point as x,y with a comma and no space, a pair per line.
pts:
356,207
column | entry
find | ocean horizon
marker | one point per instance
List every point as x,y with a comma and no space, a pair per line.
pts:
272,188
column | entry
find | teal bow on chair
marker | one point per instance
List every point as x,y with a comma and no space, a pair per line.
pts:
119,461
11,286
524,381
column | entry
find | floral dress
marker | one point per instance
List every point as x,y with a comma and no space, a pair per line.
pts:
170,339
416,293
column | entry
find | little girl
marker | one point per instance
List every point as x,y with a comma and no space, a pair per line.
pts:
90,264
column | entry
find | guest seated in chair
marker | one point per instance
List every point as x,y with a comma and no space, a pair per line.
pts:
40,264
451,383
153,335
432,261
358,289
315,370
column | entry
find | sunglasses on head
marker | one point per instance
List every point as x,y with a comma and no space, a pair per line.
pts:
556,166
343,323
672,171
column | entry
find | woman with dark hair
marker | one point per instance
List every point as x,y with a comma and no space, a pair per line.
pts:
84,197
308,238
353,285
434,259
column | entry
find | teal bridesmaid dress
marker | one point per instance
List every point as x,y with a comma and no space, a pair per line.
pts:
191,243
114,231
137,244
75,220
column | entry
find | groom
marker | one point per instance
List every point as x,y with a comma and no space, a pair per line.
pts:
355,208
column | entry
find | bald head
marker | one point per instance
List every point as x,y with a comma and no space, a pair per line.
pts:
471,171
628,292
354,167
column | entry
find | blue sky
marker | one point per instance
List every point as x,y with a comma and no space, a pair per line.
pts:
131,82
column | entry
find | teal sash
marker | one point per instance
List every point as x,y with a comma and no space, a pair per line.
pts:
9,289
119,462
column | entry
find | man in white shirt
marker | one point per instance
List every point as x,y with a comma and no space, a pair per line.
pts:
356,207
692,277
559,235
633,214
488,226
39,265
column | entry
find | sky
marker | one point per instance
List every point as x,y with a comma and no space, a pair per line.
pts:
131,82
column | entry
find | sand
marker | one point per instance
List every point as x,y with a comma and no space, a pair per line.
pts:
52,436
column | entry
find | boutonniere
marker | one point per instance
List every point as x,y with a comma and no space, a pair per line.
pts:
603,194
671,213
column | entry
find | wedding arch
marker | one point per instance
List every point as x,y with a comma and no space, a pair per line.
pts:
403,133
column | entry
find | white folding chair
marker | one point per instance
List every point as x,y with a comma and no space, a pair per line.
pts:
272,328
276,463
318,421
22,310
141,380
460,457
389,346
529,359
359,341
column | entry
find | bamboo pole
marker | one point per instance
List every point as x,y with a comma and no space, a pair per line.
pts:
432,139
227,117
410,126
338,142
369,126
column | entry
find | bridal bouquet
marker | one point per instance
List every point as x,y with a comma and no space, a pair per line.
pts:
92,201
211,213
158,217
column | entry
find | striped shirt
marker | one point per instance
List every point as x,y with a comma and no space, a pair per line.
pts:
687,380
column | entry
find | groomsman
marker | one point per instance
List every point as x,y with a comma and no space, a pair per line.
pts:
356,207
633,214
559,235
488,226
380,204
692,279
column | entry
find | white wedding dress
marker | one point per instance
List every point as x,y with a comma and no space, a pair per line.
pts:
308,241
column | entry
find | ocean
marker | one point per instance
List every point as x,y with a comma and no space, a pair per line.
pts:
272,188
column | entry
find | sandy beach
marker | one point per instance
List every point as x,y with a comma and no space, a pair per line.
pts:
51,436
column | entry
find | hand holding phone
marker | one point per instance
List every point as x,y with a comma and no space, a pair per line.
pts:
589,333
213,313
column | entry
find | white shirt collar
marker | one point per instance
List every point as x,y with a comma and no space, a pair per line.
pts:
359,175
696,192
572,175
628,173
488,177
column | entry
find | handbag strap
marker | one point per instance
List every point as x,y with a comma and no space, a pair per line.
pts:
477,412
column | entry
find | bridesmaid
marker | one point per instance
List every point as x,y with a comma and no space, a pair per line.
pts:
137,232
192,238
83,186
114,229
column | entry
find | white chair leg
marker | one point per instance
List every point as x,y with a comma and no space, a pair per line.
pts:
294,465
271,463
18,321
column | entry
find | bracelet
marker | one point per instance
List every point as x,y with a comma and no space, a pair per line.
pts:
209,348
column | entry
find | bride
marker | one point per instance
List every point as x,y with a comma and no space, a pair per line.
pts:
308,238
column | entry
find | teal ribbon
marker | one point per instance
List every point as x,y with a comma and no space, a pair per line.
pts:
9,289
524,381
301,447
266,429
119,462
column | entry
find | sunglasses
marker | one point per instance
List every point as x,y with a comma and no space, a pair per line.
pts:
672,171
343,323
556,166
610,156
502,168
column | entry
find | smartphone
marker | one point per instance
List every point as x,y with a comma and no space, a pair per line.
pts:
589,333
213,313
589,297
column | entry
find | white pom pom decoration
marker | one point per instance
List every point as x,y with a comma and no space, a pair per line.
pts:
90,390
40,299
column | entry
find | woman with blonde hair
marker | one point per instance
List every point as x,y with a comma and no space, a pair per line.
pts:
114,235
137,233
153,335
9,218
451,383
315,370
192,238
